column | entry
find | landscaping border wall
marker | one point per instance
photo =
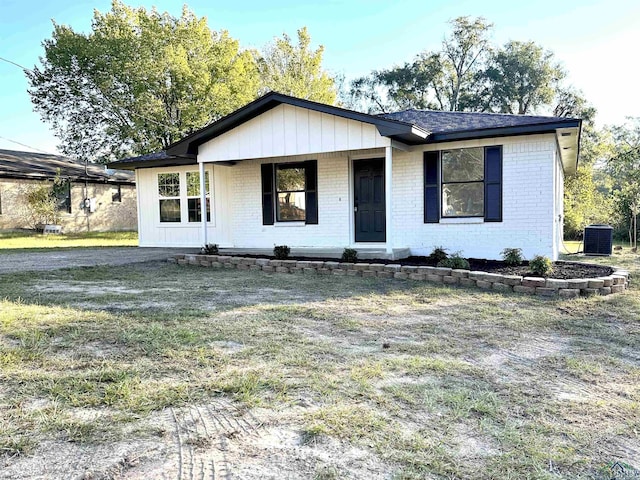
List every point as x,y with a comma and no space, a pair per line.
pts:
617,282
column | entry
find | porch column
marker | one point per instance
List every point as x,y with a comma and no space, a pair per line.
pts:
388,181
203,204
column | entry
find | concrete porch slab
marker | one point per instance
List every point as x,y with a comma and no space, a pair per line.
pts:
363,253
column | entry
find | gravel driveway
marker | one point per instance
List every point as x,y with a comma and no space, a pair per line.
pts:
54,259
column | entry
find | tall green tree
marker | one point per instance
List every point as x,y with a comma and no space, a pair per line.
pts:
443,80
296,69
521,77
624,168
587,196
138,81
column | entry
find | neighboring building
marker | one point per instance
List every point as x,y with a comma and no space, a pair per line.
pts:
283,170
111,194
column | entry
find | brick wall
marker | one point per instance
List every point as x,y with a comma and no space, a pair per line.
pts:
333,226
107,216
528,204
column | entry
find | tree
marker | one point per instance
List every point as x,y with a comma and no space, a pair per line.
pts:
139,81
466,74
443,80
296,69
522,76
624,168
587,196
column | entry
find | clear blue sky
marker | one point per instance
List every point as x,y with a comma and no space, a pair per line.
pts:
596,40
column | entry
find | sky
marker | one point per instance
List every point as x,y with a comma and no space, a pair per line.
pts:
595,40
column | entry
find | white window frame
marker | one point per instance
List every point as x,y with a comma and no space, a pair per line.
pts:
207,176
183,197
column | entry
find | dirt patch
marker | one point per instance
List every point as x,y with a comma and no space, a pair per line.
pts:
216,440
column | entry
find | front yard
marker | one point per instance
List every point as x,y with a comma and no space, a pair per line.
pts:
154,370
30,240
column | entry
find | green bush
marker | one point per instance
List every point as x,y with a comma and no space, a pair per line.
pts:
512,256
209,249
439,254
281,252
540,266
456,260
349,255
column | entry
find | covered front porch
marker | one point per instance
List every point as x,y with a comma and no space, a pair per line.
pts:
342,200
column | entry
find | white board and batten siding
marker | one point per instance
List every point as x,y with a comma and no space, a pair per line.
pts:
286,131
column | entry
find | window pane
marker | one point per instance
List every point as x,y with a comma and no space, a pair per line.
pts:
290,179
62,195
463,165
463,199
194,210
193,183
170,210
169,184
291,206
116,194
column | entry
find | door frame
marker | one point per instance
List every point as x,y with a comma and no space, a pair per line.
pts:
352,213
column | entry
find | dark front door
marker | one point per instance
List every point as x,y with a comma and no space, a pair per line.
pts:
368,178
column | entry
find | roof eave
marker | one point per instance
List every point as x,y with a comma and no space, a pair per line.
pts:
502,131
173,161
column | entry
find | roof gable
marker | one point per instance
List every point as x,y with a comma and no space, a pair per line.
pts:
387,127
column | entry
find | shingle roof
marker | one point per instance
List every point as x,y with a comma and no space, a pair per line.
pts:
27,165
436,121
411,127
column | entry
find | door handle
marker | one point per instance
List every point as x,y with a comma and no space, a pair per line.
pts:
355,209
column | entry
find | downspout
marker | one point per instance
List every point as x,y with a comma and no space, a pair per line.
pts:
203,204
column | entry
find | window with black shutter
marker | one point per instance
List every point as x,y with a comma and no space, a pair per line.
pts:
463,183
289,192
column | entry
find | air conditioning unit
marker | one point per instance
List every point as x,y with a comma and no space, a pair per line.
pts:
598,240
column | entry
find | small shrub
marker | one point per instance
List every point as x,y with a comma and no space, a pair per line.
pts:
209,249
512,256
439,254
540,266
281,252
456,260
349,255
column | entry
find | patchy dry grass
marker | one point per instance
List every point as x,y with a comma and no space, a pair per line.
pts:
20,240
472,384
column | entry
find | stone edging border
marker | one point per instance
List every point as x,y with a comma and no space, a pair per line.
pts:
544,287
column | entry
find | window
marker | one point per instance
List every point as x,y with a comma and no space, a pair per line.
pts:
193,196
289,192
463,183
169,193
62,194
116,194
290,189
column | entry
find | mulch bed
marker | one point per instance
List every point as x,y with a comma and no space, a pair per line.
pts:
561,270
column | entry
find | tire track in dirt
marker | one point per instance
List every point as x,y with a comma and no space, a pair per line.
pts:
201,438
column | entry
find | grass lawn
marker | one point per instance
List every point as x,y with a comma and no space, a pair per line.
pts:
154,370
33,241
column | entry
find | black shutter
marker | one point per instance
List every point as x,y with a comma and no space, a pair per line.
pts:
493,184
311,193
431,190
267,193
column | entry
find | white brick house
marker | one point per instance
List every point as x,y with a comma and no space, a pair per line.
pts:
282,170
